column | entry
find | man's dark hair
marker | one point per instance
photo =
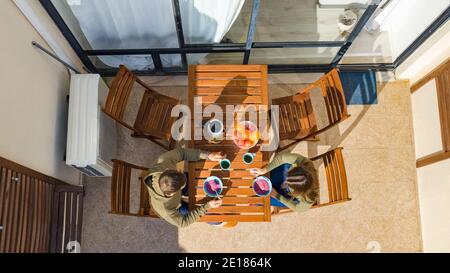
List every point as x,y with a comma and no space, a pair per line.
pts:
171,181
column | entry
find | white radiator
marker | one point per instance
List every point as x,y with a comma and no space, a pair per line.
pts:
91,135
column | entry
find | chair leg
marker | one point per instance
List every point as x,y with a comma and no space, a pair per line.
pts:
136,135
154,140
313,139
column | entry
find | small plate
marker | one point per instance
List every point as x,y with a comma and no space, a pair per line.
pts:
207,188
257,189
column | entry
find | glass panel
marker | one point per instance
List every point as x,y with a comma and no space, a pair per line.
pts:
293,55
369,48
306,20
216,58
395,28
406,21
171,61
117,24
136,62
215,21
132,62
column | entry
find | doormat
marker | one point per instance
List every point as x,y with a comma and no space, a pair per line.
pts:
360,87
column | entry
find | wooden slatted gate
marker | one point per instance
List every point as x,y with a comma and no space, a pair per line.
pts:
67,219
27,203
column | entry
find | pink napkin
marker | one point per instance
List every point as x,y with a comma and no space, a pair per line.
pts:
262,184
215,187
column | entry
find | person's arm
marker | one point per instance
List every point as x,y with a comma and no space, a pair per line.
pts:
297,206
283,158
181,154
185,220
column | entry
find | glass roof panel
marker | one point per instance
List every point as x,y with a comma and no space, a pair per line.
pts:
120,24
306,20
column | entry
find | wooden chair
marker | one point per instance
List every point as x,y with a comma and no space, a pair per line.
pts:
153,120
297,116
336,179
120,191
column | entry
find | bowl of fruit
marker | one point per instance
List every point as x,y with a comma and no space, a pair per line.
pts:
246,135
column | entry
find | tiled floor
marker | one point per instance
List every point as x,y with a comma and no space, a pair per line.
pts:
380,163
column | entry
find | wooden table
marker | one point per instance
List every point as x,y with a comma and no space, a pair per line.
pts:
229,85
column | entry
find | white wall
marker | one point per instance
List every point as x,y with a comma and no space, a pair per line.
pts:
45,26
426,121
433,52
32,99
408,19
434,198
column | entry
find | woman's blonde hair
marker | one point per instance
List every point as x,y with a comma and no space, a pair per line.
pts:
304,181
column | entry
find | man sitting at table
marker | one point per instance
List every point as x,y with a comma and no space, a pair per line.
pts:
294,180
166,186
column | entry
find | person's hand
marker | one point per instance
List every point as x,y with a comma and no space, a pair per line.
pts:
215,203
217,156
257,171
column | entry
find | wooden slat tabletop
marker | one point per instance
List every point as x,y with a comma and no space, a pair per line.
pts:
229,85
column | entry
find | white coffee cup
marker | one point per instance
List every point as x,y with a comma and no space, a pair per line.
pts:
214,130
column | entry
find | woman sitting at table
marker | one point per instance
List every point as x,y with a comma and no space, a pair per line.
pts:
294,180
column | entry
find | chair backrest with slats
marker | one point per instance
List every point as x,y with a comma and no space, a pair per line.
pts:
336,176
154,116
121,194
333,94
118,95
296,116
153,120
